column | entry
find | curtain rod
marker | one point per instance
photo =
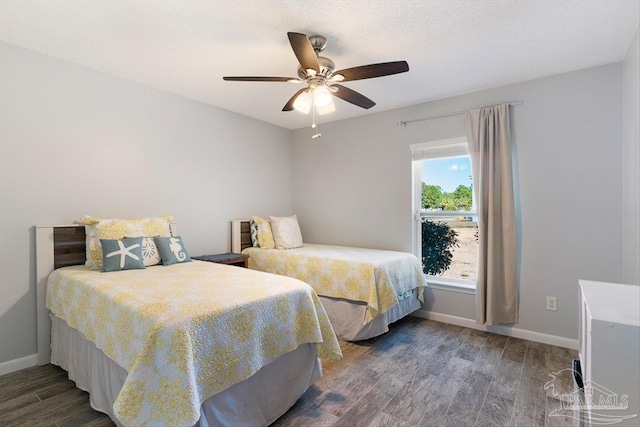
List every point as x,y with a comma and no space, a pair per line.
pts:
457,113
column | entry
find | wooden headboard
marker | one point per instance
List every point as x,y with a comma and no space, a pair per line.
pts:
240,235
57,246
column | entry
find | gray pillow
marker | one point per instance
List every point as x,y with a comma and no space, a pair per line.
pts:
253,227
125,254
172,250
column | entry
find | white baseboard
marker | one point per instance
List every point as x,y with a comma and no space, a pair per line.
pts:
18,364
502,330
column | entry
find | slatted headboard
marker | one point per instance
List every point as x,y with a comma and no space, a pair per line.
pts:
240,235
57,246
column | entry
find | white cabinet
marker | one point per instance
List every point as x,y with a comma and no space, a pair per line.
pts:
610,351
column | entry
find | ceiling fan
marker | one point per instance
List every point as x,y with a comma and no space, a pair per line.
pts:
321,77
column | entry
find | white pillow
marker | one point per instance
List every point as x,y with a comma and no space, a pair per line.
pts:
286,232
150,252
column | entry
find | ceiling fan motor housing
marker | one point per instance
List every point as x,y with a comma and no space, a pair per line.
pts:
327,67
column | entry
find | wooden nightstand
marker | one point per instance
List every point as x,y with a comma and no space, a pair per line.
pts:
230,258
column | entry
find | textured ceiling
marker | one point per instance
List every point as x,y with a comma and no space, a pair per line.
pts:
452,47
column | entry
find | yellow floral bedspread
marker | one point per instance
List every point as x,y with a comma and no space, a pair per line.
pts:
188,331
376,277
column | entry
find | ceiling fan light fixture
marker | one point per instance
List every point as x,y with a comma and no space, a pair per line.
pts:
321,96
330,108
303,102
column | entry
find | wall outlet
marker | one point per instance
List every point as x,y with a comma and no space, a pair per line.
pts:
552,303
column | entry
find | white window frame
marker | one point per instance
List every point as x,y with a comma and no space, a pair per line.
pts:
445,148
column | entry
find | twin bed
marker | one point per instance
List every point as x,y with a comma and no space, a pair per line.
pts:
205,344
363,291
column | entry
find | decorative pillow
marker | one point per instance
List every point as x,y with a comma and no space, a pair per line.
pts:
286,232
265,235
254,233
150,252
122,254
115,229
172,250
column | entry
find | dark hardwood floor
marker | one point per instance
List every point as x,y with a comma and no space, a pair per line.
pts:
421,373
44,396
426,373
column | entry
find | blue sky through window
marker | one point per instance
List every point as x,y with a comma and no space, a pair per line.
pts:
447,173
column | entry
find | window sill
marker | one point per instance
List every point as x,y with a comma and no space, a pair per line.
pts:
451,285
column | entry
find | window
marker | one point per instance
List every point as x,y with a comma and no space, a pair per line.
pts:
445,217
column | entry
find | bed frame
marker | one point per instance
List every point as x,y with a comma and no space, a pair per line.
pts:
57,246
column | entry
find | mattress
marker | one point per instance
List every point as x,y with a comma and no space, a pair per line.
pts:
187,332
378,278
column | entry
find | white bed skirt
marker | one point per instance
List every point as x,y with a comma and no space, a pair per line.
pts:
348,317
257,401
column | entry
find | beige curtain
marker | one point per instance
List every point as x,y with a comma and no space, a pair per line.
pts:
489,137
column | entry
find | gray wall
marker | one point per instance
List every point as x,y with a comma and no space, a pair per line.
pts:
77,142
631,163
353,186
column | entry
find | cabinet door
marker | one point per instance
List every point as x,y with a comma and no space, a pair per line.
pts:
614,368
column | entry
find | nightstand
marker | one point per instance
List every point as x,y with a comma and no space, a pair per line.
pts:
230,258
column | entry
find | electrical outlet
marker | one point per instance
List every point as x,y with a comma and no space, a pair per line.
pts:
552,303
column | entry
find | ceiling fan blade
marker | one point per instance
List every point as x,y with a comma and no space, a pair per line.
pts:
373,70
289,105
304,51
353,97
258,79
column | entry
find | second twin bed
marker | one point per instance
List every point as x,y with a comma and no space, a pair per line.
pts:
362,290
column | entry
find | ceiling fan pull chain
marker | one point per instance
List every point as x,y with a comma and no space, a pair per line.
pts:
314,113
314,125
